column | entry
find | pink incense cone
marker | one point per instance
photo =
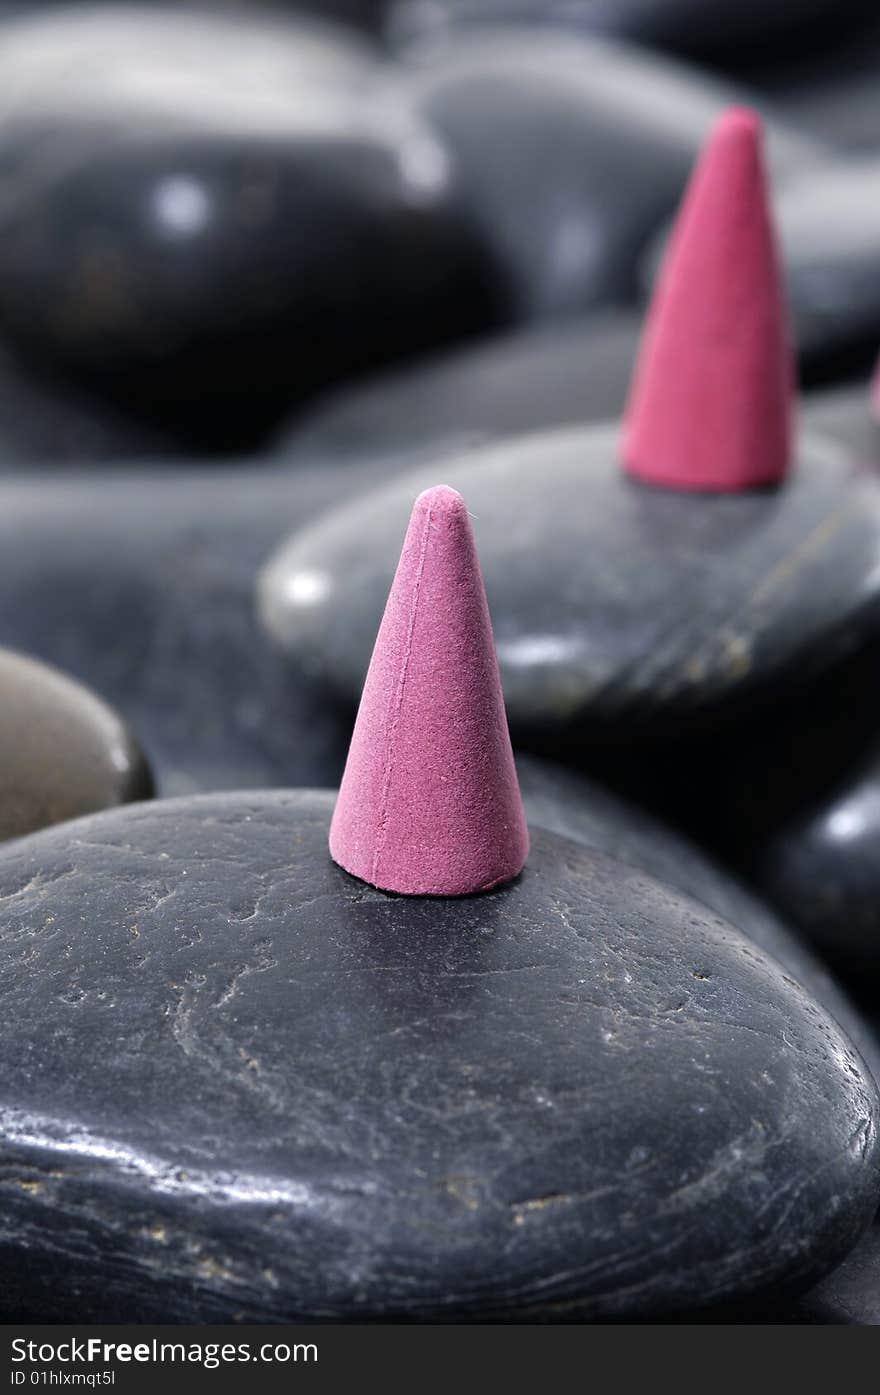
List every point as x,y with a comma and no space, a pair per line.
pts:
875,393
710,402
429,803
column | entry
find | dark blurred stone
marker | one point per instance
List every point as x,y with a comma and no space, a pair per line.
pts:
47,421
238,220
578,808
368,15
833,92
581,1092
806,808
851,1294
720,31
844,415
622,613
63,752
571,153
829,224
792,797
548,376
142,586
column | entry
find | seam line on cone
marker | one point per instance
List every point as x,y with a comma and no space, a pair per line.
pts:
394,716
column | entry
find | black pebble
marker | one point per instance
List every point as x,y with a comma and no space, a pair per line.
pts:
63,752
622,612
238,1083
571,152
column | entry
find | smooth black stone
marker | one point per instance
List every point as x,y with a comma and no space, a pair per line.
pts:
829,225
794,801
851,1294
368,15
834,93
575,807
525,381
141,585
571,153
63,752
46,421
844,415
814,846
622,612
723,33
848,1297
791,798
241,1083
237,226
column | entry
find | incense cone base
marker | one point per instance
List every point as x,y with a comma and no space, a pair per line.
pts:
246,1088
620,610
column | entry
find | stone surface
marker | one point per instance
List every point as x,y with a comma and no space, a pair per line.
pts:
829,226
722,33
831,93
851,1294
571,152
579,808
63,752
796,801
809,830
524,381
844,415
261,158
45,421
578,1092
620,610
141,585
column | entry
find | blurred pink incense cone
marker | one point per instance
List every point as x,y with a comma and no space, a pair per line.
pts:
711,398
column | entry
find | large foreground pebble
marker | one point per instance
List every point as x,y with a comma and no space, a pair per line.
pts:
63,752
851,1294
578,1093
571,152
578,808
618,608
